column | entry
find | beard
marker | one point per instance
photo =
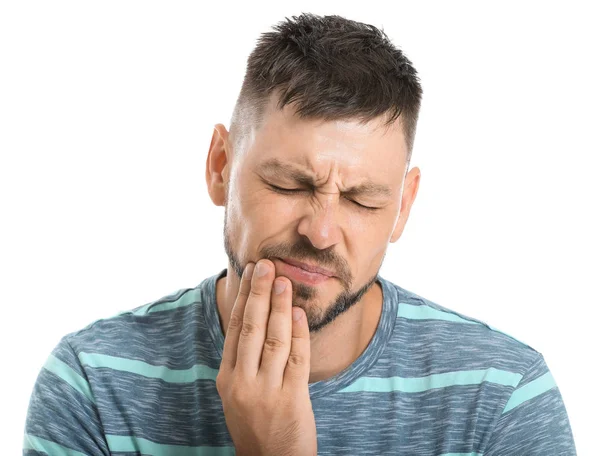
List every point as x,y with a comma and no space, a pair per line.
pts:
317,316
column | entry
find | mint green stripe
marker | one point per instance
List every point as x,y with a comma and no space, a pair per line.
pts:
66,373
418,384
131,443
198,371
191,297
532,389
31,442
426,312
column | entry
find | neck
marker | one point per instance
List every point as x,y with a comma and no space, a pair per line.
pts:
328,355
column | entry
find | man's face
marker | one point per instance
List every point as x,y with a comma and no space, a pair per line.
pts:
322,223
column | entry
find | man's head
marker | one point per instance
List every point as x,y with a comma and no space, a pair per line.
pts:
328,108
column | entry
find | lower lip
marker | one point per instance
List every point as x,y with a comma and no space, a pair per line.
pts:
292,272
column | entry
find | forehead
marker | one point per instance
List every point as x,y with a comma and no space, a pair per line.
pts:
355,150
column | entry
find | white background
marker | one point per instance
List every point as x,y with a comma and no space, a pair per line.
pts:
106,115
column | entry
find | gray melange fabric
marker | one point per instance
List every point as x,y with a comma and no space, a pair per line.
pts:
431,382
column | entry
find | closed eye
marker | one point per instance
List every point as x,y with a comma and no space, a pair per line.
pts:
290,191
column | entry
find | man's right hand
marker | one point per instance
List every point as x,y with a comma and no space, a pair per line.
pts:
263,377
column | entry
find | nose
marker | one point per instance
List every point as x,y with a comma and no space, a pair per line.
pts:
320,225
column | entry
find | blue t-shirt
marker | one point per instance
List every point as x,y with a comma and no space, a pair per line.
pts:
431,382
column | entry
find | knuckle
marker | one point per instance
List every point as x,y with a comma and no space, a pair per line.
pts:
249,328
235,321
255,293
220,382
273,343
240,395
295,359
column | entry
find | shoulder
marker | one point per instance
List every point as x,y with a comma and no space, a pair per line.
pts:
452,340
161,332
141,321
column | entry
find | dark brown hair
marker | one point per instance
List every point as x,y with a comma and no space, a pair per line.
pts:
330,68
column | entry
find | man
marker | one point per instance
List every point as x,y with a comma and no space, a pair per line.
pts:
314,177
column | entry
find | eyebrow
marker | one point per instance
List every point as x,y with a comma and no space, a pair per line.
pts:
367,188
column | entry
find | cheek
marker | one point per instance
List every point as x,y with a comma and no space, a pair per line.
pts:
271,206
260,211
368,226
273,214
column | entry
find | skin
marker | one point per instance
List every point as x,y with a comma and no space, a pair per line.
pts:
319,225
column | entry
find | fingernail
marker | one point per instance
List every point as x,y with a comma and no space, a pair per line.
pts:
261,269
296,314
280,286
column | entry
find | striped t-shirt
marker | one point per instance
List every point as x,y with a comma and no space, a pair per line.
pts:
431,382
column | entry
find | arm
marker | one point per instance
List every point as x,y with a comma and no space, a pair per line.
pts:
534,420
62,418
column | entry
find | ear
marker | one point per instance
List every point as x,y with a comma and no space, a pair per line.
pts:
409,193
217,165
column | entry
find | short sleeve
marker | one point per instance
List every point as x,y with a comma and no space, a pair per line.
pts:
534,421
62,417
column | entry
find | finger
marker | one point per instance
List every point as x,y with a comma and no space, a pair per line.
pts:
235,321
276,349
297,370
256,315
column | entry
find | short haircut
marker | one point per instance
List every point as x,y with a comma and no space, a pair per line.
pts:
330,68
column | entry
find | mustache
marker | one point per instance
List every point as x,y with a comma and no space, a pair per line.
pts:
304,253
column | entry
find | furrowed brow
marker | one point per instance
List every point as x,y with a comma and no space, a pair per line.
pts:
277,167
